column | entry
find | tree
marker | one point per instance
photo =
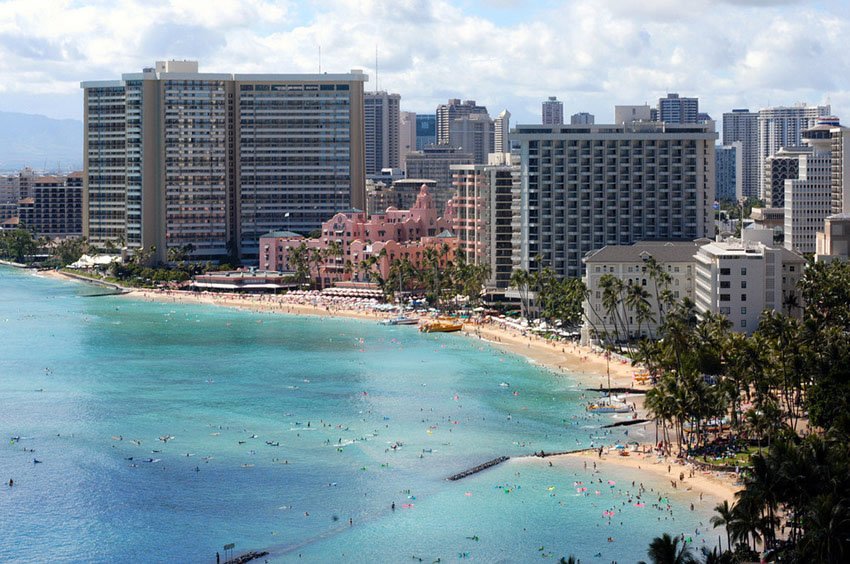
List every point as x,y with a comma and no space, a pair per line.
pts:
521,280
70,250
17,245
298,262
723,518
668,550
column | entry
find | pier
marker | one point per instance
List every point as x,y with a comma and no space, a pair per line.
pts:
479,468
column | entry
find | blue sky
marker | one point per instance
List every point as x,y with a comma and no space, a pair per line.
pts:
592,54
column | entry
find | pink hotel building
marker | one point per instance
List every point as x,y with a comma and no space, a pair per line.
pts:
401,233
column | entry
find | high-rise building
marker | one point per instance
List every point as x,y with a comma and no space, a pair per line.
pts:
582,118
426,130
484,213
473,133
728,171
779,167
584,187
552,111
675,109
434,163
57,206
175,158
407,136
782,126
629,114
379,197
742,125
381,124
407,190
741,278
808,198
840,153
449,112
502,131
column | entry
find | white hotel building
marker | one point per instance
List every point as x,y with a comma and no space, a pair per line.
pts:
742,278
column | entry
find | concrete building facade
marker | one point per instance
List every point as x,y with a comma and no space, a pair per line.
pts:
484,215
741,278
407,137
582,118
779,167
447,113
381,127
474,134
808,198
676,109
629,114
426,130
552,111
584,187
434,164
502,132
176,158
782,126
741,125
833,243
628,263
729,172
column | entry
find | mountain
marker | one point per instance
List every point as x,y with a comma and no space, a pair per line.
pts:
40,142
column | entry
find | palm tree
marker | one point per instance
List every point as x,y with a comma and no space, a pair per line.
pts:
723,519
717,556
612,288
520,279
667,550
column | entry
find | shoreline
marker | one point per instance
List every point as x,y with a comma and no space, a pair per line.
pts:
585,364
588,367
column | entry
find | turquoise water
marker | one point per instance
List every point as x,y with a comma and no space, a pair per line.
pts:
165,431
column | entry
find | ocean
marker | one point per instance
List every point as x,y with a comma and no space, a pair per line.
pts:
165,431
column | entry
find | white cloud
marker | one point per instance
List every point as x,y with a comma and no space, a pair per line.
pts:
592,55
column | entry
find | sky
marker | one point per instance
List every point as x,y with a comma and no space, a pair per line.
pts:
505,54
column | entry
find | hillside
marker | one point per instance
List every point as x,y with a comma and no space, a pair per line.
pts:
40,142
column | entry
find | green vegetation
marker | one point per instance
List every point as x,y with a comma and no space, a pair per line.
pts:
780,400
18,245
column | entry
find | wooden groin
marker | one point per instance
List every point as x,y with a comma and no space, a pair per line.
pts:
479,468
602,390
247,557
625,423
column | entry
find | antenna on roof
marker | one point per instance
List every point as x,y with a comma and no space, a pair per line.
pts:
320,58
376,69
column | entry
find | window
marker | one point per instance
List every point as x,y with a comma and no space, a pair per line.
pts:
725,284
744,271
724,297
743,284
791,268
744,323
743,297
743,311
725,310
725,271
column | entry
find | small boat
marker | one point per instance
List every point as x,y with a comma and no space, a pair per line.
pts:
608,408
399,320
441,325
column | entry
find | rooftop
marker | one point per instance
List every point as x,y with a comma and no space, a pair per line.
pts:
285,234
663,251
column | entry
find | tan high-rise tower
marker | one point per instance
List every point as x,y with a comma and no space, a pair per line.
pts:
178,159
